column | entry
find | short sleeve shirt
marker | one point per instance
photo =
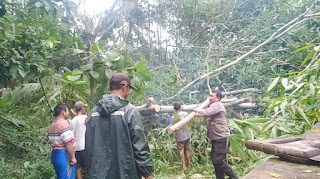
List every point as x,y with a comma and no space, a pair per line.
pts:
59,134
182,134
78,125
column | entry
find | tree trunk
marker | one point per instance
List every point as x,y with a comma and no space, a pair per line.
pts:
149,109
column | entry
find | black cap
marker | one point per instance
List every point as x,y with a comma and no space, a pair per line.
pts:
121,79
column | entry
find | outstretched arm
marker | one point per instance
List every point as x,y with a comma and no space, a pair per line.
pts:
211,110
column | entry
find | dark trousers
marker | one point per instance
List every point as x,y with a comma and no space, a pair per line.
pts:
219,150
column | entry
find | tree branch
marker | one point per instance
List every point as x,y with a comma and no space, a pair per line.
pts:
148,108
281,31
208,78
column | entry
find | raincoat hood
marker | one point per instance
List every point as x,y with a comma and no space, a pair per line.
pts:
110,103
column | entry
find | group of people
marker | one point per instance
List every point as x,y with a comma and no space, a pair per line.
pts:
111,141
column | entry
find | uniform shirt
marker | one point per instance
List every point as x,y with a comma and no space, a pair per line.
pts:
78,125
59,134
216,122
184,133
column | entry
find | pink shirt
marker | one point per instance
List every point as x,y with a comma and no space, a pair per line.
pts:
60,133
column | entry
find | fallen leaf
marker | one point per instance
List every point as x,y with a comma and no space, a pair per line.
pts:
307,171
274,175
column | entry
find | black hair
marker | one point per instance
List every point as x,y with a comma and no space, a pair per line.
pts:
59,108
114,86
218,94
176,106
79,109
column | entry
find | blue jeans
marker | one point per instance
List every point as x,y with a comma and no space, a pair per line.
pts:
61,164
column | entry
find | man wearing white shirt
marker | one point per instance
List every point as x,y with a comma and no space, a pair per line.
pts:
78,124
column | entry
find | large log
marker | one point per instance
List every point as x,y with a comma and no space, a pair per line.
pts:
184,121
247,105
151,109
238,91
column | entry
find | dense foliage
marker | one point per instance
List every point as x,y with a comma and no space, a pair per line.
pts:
51,52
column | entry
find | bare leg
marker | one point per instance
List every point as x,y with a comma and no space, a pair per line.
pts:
188,158
181,155
79,173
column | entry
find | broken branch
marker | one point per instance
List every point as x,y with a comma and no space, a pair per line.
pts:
281,31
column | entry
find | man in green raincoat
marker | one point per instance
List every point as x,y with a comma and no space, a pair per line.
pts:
115,141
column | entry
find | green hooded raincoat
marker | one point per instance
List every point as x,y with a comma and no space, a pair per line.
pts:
115,141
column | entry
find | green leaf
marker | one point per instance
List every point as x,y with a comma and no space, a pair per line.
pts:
293,109
26,164
96,48
272,86
305,47
247,133
23,72
256,120
310,55
272,107
254,127
268,126
94,74
282,107
80,82
299,86
121,46
77,51
65,74
300,111
109,73
5,104
284,82
283,129
87,67
274,131
237,147
141,69
16,122
116,59
55,41
14,71
77,72
233,59
312,89
73,78
293,101
232,123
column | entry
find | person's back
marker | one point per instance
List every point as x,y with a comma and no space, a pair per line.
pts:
79,130
183,133
78,124
183,136
115,141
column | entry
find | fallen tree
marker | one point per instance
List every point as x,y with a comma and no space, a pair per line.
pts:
149,108
277,34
